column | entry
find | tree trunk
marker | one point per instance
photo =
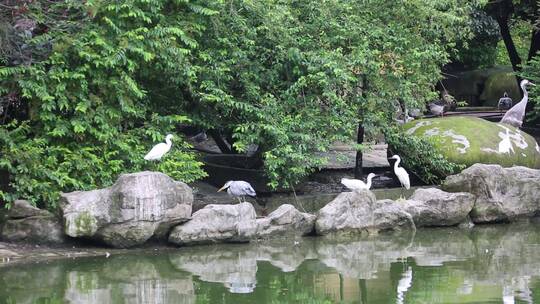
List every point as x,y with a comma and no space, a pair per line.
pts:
535,44
359,140
509,43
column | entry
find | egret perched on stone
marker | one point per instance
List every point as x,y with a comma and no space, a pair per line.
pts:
505,102
514,116
239,189
160,149
356,184
401,174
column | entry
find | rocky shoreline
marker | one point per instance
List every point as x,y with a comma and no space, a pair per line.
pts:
150,208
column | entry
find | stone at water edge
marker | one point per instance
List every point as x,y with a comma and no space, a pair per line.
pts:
137,207
217,223
470,140
26,223
285,220
433,207
502,194
358,212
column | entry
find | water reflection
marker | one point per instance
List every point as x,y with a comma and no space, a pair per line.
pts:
485,264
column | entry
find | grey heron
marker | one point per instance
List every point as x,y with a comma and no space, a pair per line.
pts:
160,149
238,189
435,109
356,184
514,116
401,174
504,103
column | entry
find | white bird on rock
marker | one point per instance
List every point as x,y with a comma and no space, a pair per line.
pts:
160,149
239,189
514,116
401,174
356,184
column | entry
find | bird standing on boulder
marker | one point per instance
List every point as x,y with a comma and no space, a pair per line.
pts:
436,109
401,174
238,189
160,149
356,184
514,116
505,102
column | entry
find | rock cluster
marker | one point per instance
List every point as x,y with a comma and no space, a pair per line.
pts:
238,223
501,194
147,205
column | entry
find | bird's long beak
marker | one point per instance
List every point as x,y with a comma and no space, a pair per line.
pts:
532,84
221,189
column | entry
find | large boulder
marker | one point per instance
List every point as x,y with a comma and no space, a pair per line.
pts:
470,140
357,212
285,220
137,207
434,207
26,223
217,223
502,194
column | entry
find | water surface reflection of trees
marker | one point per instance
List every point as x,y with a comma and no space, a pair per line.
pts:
487,263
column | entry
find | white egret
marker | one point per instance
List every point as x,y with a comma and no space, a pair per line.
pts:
356,184
514,116
505,102
401,174
239,189
160,149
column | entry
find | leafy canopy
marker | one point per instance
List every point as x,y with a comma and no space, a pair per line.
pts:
103,80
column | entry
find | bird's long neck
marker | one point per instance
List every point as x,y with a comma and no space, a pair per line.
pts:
368,184
525,94
168,142
396,164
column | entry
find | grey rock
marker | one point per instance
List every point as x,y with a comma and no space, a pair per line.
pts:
286,220
433,207
26,223
137,207
22,208
357,212
502,194
217,223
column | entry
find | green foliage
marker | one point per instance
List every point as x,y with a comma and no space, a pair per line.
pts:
90,114
521,35
531,71
480,51
102,81
293,77
420,157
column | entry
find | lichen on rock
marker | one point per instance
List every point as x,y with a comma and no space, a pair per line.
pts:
470,140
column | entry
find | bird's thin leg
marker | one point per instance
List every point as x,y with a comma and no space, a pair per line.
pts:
239,200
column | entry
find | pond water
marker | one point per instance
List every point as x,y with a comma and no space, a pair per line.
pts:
486,264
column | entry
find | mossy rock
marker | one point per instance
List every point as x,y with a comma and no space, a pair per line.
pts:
470,140
495,87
